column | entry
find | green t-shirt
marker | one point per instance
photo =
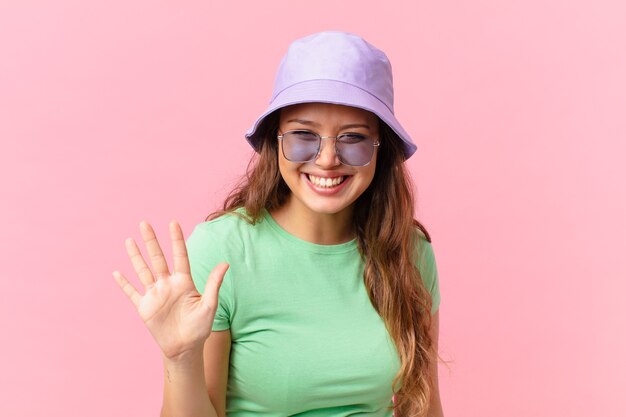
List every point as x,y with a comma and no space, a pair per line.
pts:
306,339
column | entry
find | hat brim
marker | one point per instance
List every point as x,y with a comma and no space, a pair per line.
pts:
335,92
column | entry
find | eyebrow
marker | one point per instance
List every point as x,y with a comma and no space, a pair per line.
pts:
312,123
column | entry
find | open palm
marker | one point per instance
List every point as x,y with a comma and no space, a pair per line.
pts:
176,314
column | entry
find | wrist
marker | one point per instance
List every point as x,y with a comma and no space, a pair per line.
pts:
188,358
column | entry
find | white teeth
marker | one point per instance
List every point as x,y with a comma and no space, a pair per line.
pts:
325,182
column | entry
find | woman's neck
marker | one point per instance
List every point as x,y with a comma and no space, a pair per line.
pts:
320,228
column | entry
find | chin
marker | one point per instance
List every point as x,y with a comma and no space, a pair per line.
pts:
327,207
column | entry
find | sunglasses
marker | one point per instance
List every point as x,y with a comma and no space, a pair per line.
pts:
353,149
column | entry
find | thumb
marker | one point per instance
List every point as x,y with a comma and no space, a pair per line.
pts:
214,282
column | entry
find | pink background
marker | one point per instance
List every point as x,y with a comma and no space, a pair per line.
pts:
113,112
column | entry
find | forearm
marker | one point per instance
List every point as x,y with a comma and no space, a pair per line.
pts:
185,392
435,409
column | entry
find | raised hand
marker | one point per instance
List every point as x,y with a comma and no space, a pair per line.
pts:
176,314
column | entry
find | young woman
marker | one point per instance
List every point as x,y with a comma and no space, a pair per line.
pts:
314,291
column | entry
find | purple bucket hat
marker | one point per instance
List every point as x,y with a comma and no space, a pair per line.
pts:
335,67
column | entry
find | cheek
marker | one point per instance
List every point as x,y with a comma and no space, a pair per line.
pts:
369,180
283,164
288,170
368,175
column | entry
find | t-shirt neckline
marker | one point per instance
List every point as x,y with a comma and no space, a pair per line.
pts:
306,245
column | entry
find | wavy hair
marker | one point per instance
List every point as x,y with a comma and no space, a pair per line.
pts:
387,238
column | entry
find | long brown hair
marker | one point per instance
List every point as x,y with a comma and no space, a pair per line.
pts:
386,236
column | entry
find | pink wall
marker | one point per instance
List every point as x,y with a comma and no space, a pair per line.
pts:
112,112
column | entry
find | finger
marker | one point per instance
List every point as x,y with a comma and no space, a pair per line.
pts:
179,250
139,264
127,287
211,289
159,264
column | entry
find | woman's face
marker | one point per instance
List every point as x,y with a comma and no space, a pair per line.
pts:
305,178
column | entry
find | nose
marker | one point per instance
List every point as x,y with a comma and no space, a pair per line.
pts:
327,158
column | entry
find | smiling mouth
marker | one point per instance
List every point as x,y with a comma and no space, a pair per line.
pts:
323,182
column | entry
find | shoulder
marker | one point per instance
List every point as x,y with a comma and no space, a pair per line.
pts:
419,233
427,266
422,241
228,221
423,252
226,230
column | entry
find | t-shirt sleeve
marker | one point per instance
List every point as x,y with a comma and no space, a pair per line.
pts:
204,251
427,266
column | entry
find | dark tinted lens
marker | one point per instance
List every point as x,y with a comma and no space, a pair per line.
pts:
355,149
300,146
